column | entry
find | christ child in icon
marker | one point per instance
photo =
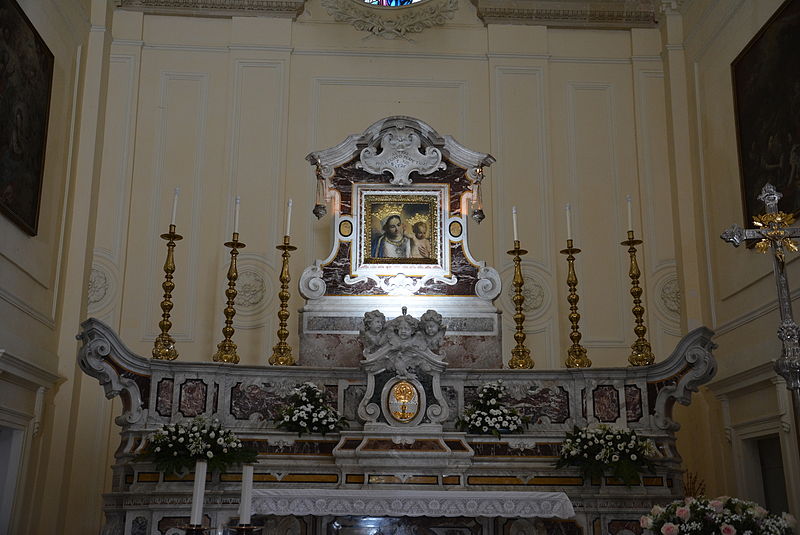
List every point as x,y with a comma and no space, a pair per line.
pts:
421,244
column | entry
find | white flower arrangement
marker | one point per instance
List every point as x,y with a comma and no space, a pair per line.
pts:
176,447
600,448
489,414
724,515
308,411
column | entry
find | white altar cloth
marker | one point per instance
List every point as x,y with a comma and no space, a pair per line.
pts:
399,502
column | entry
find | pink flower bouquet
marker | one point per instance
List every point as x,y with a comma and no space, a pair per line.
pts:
723,516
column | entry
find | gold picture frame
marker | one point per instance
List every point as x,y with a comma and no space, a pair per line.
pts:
401,229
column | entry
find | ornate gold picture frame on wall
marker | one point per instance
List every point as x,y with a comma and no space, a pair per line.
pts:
400,230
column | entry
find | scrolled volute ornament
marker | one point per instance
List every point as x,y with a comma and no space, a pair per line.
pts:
400,155
489,284
312,286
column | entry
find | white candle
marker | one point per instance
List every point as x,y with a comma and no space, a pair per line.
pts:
246,501
569,221
199,491
174,206
630,213
514,220
236,216
288,217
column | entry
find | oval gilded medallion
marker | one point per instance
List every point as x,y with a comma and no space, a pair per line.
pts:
403,401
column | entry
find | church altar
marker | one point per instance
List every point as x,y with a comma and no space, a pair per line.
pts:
386,314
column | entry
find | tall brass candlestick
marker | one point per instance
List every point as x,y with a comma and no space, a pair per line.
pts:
642,354
520,354
282,352
577,357
226,350
164,348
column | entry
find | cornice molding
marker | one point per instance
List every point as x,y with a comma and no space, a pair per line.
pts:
569,13
397,22
22,370
216,8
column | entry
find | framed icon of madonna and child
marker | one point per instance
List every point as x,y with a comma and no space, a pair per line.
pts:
401,227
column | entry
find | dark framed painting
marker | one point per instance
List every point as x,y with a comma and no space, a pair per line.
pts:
766,84
26,76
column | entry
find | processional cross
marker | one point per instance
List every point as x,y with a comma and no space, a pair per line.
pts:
772,232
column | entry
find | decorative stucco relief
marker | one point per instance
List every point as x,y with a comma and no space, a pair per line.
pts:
392,23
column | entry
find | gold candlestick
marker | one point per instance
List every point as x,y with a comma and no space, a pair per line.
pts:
642,354
226,350
520,354
164,348
282,352
577,357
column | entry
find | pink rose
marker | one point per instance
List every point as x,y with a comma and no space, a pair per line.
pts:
646,522
727,529
670,529
716,505
760,512
789,519
683,513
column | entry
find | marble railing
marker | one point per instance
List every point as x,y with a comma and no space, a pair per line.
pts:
246,399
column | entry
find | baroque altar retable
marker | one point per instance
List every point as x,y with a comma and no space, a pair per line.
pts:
400,328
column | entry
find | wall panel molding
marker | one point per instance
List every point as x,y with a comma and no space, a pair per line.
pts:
192,244
609,338
542,171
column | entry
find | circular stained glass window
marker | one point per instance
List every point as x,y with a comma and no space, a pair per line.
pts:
391,3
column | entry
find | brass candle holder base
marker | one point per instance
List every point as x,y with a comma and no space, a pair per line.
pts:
576,355
642,354
226,350
520,354
246,529
164,346
282,352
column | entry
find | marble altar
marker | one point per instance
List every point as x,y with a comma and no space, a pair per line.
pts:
401,336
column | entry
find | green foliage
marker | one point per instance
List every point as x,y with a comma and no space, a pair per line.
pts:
601,449
175,448
490,414
308,411
723,515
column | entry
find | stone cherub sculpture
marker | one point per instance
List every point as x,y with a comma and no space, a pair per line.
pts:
372,335
403,332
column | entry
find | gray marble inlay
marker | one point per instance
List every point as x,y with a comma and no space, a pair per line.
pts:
352,324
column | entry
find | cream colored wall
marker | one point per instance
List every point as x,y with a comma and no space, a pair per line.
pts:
43,286
740,287
226,106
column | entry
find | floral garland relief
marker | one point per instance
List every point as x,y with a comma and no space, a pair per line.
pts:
490,413
392,22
